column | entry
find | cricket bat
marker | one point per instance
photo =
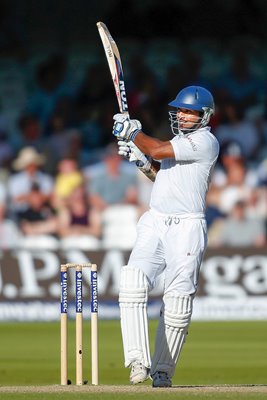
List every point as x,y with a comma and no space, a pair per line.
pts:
115,67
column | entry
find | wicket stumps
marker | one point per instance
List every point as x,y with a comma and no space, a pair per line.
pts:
79,322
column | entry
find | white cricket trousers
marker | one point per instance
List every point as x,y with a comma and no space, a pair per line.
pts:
171,243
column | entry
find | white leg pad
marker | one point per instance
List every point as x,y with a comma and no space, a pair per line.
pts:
171,333
133,309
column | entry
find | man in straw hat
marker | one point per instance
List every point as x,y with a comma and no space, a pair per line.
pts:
29,175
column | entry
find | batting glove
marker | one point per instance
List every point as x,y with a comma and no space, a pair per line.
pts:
124,149
125,128
130,151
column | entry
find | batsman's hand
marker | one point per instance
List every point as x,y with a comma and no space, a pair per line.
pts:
125,128
124,149
130,151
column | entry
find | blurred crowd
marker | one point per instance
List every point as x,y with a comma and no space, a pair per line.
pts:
62,182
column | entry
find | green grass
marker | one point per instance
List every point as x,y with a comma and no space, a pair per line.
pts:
214,353
134,396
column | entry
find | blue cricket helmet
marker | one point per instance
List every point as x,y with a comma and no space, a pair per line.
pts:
194,98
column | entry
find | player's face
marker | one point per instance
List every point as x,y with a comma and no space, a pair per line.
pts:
184,121
187,118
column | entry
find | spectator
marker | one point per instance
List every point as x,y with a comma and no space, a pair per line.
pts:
51,87
230,155
256,206
20,184
234,127
94,100
237,230
235,188
30,132
113,190
77,218
38,218
233,181
113,184
240,84
68,178
60,140
94,90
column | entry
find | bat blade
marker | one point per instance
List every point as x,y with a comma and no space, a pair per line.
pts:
115,65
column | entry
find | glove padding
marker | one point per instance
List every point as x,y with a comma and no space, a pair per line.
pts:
130,151
124,127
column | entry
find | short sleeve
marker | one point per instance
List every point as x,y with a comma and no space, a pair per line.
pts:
200,146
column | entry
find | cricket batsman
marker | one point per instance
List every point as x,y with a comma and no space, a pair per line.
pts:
171,235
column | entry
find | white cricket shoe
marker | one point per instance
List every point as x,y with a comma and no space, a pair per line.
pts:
139,373
161,379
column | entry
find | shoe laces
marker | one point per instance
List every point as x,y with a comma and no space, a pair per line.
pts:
137,365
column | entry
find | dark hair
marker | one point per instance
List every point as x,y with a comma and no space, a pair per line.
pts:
25,119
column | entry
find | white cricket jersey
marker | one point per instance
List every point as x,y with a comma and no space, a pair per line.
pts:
182,182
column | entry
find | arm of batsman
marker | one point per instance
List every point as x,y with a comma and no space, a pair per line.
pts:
124,128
